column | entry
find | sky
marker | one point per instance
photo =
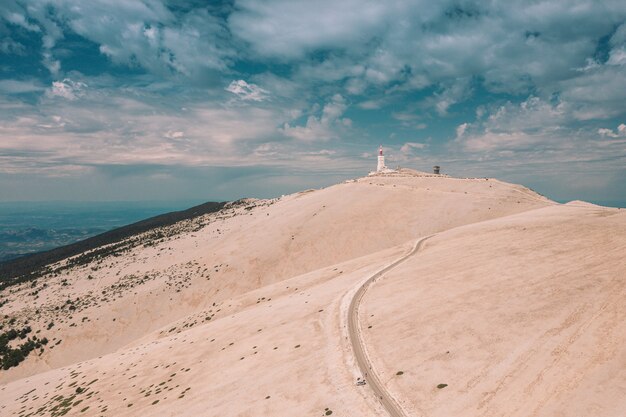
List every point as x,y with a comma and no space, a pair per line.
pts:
216,100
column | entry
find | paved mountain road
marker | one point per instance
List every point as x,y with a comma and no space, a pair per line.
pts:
391,405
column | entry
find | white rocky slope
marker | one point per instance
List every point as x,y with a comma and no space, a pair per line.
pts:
242,312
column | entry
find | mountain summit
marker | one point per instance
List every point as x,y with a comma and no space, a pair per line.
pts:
403,293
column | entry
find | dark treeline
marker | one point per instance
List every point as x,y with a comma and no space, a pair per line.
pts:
34,265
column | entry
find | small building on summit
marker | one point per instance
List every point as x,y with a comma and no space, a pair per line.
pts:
381,160
381,168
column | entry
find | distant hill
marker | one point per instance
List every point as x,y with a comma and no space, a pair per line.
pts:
31,266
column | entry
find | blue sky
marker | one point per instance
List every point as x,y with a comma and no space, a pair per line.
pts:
164,100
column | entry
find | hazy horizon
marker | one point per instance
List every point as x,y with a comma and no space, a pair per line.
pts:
29,227
187,203
33,226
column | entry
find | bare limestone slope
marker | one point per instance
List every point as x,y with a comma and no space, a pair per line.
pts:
518,316
200,265
514,303
285,355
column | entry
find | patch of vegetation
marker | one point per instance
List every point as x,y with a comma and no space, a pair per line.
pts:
440,386
13,356
63,405
400,373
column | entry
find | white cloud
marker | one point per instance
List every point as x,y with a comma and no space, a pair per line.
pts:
53,65
266,149
333,109
280,87
312,130
619,133
617,55
409,147
450,95
144,33
538,135
303,26
460,129
531,114
174,134
511,46
410,45
19,20
67,89
246,91
370,105
598,93
492,141
531,123
324,127
126,128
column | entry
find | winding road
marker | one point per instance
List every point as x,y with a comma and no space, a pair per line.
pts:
358,345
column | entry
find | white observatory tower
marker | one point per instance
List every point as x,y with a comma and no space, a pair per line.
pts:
381,160
381,168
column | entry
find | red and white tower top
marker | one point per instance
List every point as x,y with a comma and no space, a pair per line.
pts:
381,160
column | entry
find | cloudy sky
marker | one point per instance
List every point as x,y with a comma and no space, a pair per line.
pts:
174,99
